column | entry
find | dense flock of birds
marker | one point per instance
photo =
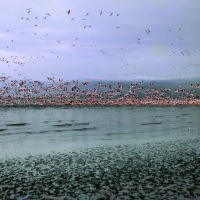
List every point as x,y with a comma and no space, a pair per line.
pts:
26,89
60,92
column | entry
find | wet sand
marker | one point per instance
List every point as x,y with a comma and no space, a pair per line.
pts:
157,170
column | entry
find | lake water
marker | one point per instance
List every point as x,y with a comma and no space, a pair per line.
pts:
25,131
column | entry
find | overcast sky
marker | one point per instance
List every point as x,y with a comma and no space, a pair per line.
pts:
100,39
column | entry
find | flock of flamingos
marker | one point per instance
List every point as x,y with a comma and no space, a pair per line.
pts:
54,91
59,92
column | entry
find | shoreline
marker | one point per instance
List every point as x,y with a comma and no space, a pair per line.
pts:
158,170
109,104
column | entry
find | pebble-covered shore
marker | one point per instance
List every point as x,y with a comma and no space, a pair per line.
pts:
164,170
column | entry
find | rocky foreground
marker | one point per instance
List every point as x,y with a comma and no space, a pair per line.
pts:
166,170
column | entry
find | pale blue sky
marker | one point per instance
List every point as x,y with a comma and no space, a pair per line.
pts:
114,47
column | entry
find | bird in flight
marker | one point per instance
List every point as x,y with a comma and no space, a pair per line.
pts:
147,31
68,12
101,13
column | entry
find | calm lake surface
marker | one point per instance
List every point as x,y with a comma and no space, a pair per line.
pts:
30,131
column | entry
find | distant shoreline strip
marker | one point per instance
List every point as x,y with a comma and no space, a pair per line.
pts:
107,104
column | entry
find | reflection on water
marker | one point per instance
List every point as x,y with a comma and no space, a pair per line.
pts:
27,130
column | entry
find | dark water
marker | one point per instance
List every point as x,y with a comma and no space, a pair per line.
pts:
42,130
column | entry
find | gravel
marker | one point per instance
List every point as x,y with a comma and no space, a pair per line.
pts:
161,170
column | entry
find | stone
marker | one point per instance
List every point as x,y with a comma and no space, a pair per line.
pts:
12,196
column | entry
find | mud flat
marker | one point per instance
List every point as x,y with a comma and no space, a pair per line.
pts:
159,170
